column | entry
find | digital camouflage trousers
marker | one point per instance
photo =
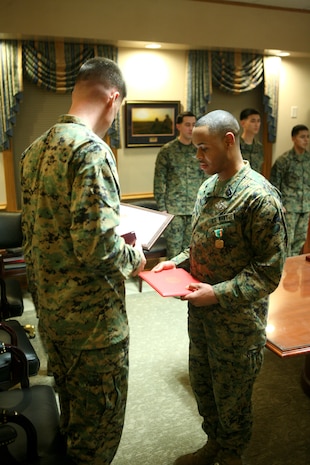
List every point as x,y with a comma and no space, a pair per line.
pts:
222,378
92,387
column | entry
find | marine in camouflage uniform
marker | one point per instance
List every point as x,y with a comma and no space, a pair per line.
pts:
254,153
227,340
251,148
177,179
237,250
76,265
291,175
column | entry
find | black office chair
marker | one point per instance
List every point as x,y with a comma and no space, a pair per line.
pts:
11,238
11,235
11,301
159,249
29,419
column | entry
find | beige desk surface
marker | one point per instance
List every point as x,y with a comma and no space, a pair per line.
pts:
288,330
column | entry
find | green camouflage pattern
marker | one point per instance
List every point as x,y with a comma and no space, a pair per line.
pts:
297,230
92,397
254,153
177,178
291,175
246,214
178,234
76,262
222,375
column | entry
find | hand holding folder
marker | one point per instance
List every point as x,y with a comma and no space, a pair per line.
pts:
169,283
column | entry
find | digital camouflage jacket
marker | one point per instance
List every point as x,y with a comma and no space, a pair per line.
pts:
238,246
76,263
177,178
291,175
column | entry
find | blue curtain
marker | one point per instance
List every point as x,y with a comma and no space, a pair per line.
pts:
11,88
199,81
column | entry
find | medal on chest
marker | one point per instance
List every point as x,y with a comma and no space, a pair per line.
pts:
219,243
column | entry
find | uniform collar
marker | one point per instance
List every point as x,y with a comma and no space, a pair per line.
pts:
226,189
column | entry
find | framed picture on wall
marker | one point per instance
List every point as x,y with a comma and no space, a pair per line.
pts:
150,123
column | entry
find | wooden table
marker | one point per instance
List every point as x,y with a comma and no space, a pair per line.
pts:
288,330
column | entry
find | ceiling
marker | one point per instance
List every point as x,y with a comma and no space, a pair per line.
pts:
283,4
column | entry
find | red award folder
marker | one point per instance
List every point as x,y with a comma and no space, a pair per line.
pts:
169,283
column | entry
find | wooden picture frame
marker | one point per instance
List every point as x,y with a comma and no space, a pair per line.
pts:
150,123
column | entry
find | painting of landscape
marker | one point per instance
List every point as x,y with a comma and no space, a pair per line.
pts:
150,123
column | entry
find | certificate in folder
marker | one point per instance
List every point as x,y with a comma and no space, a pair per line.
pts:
169,283
147,224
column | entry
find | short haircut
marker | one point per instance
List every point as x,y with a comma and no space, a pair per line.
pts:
299,127
248,112
104,71
181,116
220,122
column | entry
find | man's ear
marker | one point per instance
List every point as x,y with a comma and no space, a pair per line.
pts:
229,138
113,97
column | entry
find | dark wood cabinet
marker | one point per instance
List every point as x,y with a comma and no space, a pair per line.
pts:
13,266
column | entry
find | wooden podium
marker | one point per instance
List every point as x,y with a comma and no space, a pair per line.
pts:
288,330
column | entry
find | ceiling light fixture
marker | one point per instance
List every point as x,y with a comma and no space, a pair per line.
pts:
278,53
153,46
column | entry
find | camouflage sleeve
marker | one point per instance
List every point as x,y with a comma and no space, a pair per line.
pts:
267,233
160,179
182,259
95,214
258,160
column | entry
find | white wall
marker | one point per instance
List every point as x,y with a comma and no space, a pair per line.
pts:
294,90
150,75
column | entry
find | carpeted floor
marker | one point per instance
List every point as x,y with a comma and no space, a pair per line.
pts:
161,418
281,434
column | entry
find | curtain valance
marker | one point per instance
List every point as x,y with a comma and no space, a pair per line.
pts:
54,65
232,72
236,72
50,65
